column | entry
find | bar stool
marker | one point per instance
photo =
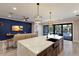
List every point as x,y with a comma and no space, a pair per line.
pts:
3,45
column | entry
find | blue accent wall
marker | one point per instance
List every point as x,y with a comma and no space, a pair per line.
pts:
7,27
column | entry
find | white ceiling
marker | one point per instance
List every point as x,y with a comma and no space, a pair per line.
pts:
59,10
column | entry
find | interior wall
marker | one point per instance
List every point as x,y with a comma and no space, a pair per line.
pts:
76,30
6,28
38,28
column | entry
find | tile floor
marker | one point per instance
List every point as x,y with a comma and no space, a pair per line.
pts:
70,49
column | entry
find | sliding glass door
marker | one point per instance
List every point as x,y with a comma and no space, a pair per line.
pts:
64,30
67,31
58,29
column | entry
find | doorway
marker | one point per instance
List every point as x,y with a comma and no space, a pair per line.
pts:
67,32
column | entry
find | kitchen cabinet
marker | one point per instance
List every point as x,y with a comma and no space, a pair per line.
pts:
53,50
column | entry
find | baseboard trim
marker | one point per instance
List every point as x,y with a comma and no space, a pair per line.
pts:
75,41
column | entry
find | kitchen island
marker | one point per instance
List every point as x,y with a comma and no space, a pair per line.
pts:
40,46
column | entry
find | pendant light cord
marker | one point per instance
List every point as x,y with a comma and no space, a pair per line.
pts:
50,15
37,9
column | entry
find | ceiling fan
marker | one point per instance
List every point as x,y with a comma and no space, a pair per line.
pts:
25,18
22,18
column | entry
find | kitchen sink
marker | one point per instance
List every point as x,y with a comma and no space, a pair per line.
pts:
56,44
51,39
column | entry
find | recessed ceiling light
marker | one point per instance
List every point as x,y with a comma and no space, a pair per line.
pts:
14,8
75,11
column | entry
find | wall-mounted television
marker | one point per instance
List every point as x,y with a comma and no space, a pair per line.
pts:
17,28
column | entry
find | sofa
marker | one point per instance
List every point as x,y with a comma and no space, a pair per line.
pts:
24,36
13,42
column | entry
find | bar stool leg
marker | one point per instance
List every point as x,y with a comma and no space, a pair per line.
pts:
4,46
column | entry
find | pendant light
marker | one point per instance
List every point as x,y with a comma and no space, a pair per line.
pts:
37,18
50,22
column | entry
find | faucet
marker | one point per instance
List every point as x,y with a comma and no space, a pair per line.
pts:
48,35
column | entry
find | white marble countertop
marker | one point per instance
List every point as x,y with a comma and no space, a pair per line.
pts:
37,44
54,36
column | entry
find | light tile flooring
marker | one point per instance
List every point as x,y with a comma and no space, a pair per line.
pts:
70,49
10,52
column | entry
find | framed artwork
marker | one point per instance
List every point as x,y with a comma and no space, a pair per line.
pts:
17,28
